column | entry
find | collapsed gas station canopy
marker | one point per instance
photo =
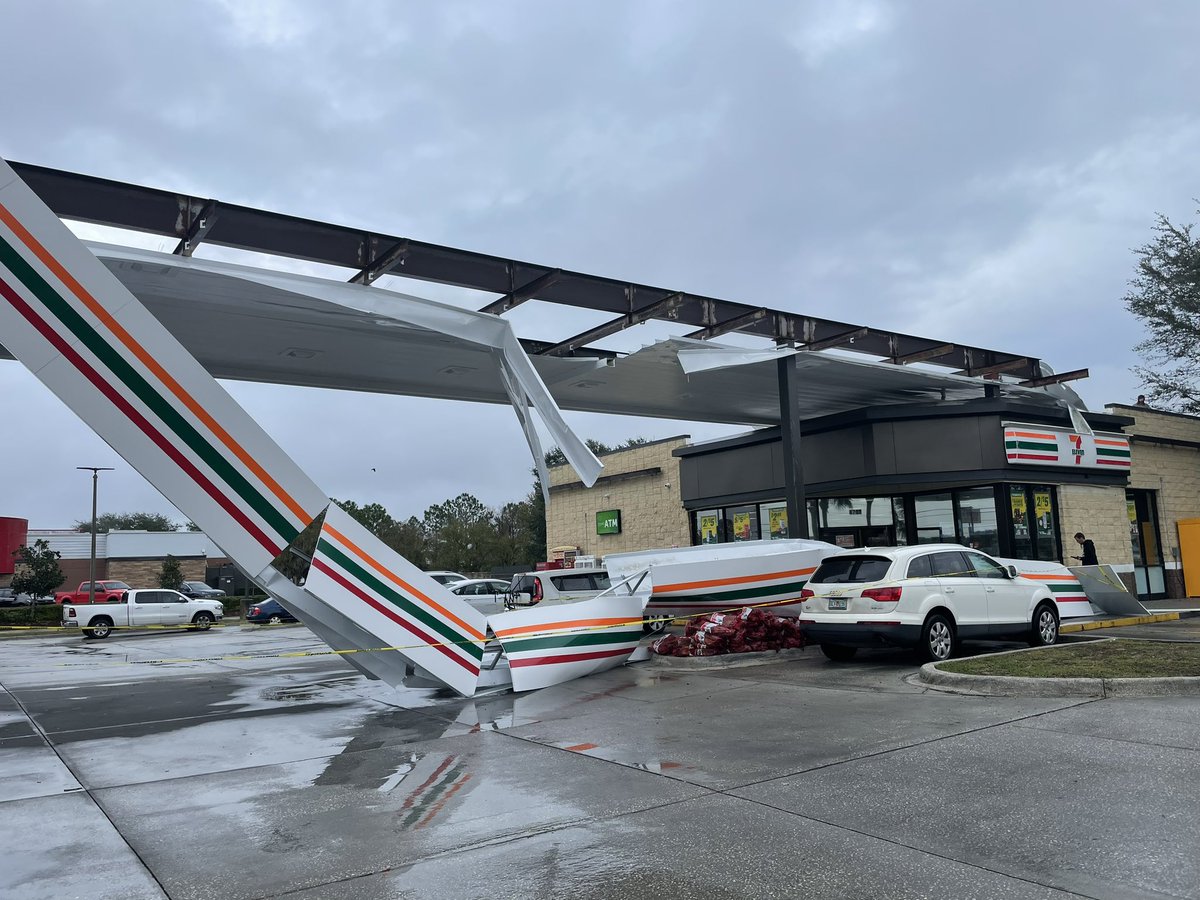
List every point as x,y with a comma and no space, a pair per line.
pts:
252,324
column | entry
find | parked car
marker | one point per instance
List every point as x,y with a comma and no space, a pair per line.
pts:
139,609
200,591
556,586
269,612
443,577
929,596
485,594
105,592
10,598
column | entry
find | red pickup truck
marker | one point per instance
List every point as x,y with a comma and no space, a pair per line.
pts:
106,592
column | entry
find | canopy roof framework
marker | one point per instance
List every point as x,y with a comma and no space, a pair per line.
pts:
195,220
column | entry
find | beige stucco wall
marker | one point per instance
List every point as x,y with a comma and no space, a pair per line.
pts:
651,512
1170,469
1100,513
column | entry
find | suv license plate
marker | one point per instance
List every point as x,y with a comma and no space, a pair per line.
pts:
839,603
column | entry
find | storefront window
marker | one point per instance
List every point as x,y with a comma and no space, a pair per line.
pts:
708,526
1022,536
899,520
1043,516
935,519
814,516
853,521
743,523
773,517
1034,522
977,519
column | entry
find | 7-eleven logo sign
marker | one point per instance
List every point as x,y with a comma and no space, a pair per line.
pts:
1077,447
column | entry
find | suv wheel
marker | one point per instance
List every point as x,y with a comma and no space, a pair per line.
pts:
937,639
1045,627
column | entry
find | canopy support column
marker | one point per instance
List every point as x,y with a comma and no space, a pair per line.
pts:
789,427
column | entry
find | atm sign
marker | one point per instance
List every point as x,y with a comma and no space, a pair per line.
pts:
608,521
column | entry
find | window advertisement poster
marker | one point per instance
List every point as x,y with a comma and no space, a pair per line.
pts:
777,519
741,526
608,521
708,527
1041,503
1017,497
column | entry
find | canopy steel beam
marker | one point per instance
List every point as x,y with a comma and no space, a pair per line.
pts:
923,355
737,323
85,198
846,337
1073,375
662,308
997,368
523,293
382,264
198,226
789,429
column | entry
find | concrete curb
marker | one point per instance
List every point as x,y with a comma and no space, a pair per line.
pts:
1123,621
42,631
1014,686
724,661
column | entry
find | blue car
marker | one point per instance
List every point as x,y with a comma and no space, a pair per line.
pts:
269,612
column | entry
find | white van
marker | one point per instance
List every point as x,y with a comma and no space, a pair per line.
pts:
553,586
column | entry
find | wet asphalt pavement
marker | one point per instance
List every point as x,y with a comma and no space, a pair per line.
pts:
299,778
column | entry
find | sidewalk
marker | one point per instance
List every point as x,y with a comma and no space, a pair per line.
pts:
1160,605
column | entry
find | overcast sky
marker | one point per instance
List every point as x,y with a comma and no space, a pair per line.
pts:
975,172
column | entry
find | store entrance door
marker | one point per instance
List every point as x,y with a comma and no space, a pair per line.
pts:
1143,535
859,535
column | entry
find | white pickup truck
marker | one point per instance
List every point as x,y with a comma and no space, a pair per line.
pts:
142,608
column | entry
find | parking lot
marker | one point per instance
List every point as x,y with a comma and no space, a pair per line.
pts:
297,777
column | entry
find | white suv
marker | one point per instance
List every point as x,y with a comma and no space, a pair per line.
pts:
929,597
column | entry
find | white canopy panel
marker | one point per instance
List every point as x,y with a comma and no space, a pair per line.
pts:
259,325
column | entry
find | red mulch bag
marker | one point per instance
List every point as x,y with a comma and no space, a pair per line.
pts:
751,630
666,645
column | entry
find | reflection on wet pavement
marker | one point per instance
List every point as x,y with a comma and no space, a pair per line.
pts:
323,819
302,779
427,800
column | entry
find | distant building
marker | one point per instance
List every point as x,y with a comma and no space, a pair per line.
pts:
135,557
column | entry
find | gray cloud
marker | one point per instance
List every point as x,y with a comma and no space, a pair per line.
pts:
971,171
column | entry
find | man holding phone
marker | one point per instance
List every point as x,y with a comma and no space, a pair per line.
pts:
1089,551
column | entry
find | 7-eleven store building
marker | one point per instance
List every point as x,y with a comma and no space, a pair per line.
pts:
987,474
1010,480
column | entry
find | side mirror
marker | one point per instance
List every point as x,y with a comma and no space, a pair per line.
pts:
1012,571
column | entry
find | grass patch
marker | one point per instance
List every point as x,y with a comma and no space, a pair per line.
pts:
1099,659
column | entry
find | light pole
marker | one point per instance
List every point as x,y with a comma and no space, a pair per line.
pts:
95,470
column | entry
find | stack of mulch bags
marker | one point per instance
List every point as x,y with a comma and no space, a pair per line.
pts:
746,631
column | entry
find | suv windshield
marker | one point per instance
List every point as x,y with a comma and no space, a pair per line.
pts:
851,570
